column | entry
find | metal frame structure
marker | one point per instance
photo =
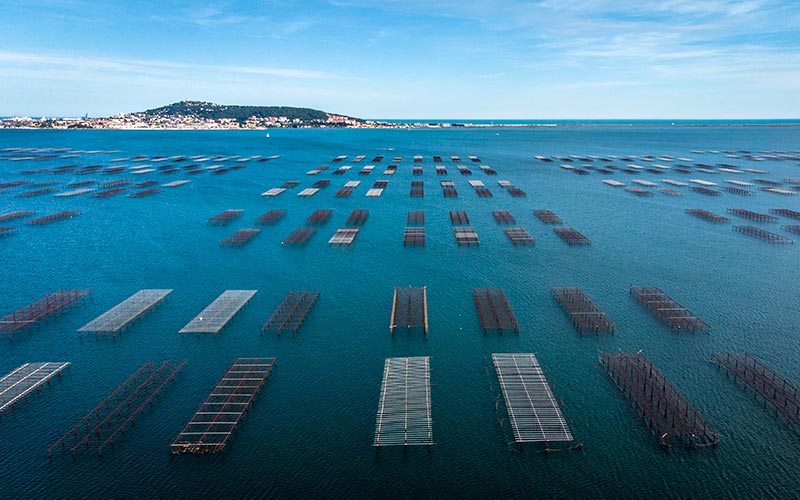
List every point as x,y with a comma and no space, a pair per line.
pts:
23,380
582,310
409,308
117,412
404,409
533,411
217,314
120,316
292,311
41,309
211,427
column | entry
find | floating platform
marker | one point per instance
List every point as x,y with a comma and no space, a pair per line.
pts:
785,212
792,229
39,310
414,236
584,313
417,189
271,193
37,192
58,216
705,215
219,312
271,217
211,427
19,214
572,236
240,237
25,379
494,311
735,190
449,192
668,310
144,184
404,409
344,192
466,236
547,216
533,411
344,236
144,193
668,415
112,417
116,183
415,217
319,217
761,234
409,309
459,218
7,231
308,192
519,236
613,183
224,218
705,191
300,236
176,183
291,312
374,192
747,214
109,192
357,217
773,389
120,316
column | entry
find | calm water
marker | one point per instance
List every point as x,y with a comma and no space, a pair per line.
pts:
310,431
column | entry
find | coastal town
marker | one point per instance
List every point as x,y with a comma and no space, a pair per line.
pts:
191,121
199,115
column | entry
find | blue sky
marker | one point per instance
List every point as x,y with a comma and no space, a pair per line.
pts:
406,58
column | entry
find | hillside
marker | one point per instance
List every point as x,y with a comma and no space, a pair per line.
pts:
211,111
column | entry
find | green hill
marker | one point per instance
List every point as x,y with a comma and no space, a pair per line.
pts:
208,110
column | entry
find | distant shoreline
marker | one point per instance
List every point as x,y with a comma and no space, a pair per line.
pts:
4,125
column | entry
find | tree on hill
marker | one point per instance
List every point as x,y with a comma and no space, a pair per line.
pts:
211,111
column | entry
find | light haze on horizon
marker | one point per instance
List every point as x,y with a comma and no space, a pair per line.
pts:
490,59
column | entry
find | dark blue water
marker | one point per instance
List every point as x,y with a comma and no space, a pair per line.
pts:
603,123
310,431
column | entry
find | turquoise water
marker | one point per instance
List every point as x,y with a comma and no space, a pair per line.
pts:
310,431
606,123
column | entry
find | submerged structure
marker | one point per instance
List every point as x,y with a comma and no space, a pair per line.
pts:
214,422
668,415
